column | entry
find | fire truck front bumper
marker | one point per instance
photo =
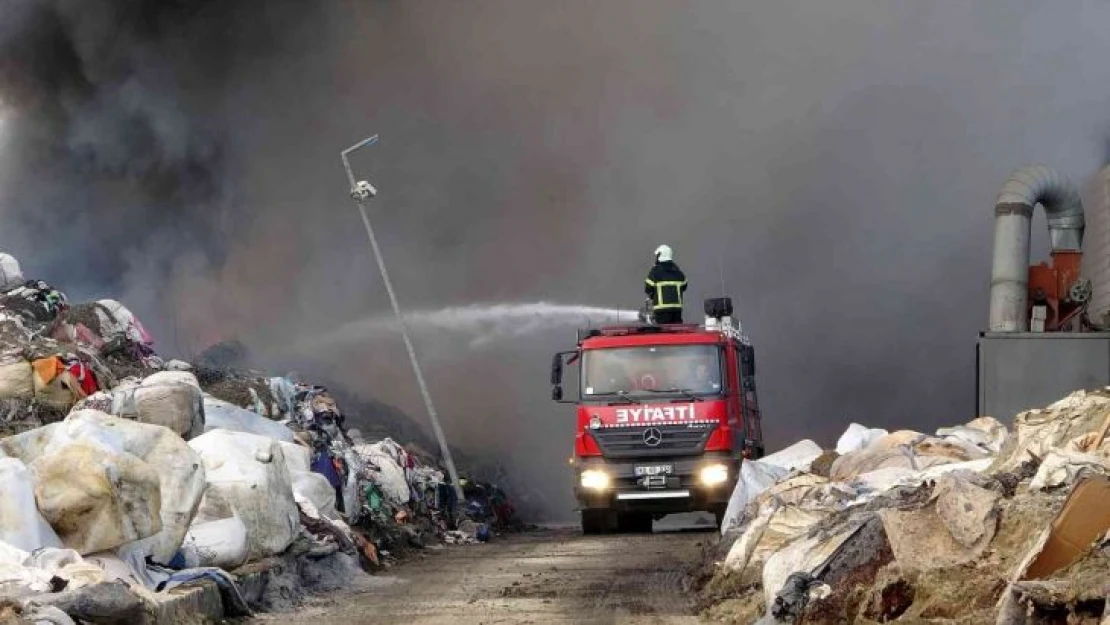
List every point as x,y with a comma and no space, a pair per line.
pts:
663,486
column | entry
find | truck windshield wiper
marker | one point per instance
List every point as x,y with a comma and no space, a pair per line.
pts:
622,394
685,391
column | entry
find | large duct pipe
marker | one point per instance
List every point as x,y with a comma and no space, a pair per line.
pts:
1013,213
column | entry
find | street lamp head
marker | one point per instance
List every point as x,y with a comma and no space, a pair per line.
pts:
363,191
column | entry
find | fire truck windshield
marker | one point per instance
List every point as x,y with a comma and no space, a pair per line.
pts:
651,371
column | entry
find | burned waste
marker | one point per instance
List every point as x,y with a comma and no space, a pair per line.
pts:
128,471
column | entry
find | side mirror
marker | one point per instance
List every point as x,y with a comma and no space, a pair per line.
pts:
557,369
557,393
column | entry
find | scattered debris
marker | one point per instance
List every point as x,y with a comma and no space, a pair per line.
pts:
971,524
126,475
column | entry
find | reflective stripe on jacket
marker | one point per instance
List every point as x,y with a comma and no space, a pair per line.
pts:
665,285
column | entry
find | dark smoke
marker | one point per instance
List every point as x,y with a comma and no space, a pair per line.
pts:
836,162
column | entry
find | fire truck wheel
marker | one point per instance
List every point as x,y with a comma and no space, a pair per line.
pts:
719,515
595,521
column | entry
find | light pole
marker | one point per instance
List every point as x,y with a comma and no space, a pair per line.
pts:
361,191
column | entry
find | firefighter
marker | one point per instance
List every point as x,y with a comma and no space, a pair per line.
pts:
665,286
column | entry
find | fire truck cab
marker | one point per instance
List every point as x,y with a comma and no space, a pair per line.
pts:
665,416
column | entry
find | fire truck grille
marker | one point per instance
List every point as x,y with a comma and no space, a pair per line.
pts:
637,440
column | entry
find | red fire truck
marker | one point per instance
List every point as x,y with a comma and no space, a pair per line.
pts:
666,414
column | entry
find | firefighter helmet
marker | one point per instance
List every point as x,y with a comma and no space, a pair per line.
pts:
663,253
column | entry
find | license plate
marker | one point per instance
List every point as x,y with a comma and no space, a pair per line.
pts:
654,469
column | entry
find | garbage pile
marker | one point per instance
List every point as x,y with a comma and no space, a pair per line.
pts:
973,524
126,475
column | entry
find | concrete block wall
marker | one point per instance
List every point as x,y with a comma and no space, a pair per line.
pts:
1096,243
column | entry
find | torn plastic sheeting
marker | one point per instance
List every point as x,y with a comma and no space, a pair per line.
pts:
1084,519
221,415
1065,467
858,437
1037,432
755,477
35,570
798,456
740,554
773,528
987,433
315,488
805,555
21,523
876,482
922,452
793,490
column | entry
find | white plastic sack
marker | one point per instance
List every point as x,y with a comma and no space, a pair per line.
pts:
221,543
10,272
176,406
755,477
876,482
97,496
179,470
315,488
247,477
16,379
797,457
858,437
178,365
171,377
21,524
220,415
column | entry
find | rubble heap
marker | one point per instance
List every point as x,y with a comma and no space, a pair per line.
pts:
125,475
974,524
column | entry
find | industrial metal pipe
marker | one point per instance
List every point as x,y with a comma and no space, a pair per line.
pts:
1013,213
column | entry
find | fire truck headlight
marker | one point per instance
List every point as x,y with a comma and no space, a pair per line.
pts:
594,479
714,475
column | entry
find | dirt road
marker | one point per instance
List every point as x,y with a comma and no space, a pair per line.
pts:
548,576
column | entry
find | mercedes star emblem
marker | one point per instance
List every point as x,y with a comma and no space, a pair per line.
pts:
652,437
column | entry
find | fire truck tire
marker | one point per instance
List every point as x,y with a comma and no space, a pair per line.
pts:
719,515
634,522
595,522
